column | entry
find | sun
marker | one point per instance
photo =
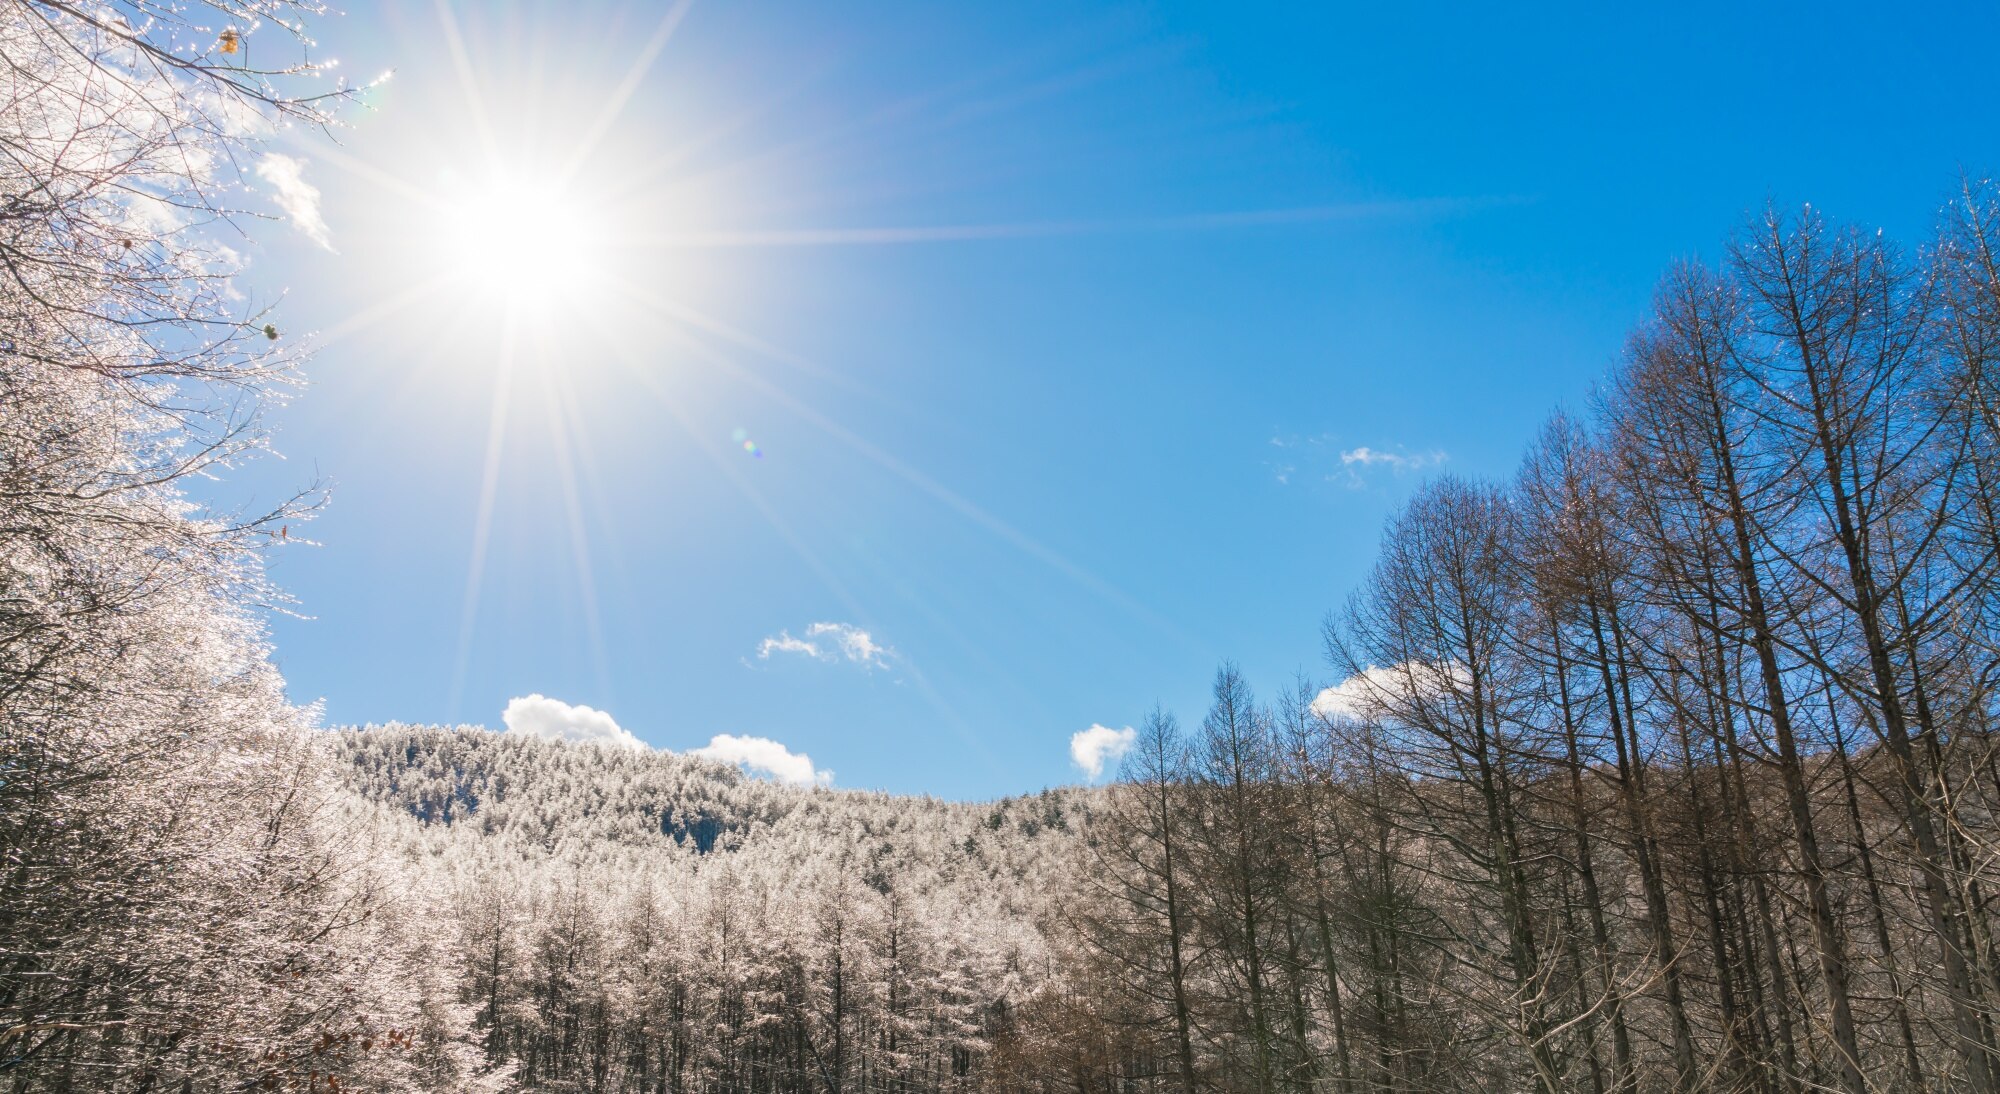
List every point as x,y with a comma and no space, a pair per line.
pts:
522,241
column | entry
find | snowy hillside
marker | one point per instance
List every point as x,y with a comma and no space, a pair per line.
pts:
645,915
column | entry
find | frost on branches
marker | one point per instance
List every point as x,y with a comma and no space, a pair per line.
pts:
629,920
175,909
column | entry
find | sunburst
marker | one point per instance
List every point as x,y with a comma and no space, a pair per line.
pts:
533,231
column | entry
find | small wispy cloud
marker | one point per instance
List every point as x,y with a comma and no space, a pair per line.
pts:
1356,463
1395,461
540,716
1319,457
761,755
286,175
1284,462
1093,749
1282,470
783,642
833,642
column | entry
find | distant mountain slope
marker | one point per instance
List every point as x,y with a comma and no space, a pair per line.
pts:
580,799
540,791
635,920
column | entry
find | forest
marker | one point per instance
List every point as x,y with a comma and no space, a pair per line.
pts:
1668,763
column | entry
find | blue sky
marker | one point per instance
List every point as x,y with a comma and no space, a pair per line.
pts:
1051,324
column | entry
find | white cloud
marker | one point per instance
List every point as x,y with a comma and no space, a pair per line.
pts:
830,642
1356,463
764,756
541,716
783,642
1374,692
1398,462
1357,695
1091,749
297,197
1319,457
150,217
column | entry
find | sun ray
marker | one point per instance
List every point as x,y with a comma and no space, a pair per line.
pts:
461,63
327,152
622,94
640,371
722,461
591,486
645,177
926,605
482,527
771,160
1047,229
951,499
947,711
556,406
694,317
376,313
367,426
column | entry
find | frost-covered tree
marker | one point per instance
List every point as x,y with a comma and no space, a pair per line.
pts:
176,911
632,920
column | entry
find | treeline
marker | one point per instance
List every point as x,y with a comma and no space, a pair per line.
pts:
814,940
1667,765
